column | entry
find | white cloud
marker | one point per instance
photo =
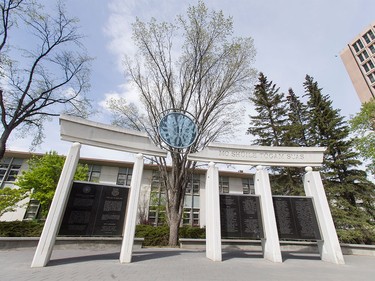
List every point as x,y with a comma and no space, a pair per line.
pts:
126,91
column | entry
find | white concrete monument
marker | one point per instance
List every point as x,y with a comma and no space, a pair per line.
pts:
81,131
268,156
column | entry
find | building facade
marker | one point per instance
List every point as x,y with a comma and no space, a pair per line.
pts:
151,206
359,60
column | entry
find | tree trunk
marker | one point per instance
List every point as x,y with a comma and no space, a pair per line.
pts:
174,224
3,141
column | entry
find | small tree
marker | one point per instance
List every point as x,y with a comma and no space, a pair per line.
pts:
363,126
43,175
9,197
40,81
208,79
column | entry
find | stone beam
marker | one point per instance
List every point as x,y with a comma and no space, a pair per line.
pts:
260,155
76,129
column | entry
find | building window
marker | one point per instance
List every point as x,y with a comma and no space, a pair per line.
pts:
191,216
369,36
158,201
223,184
124,176
191,202
248,186
33,210
371,65
9,169
365,66
371,76
358,46
372,48
94,173
363,56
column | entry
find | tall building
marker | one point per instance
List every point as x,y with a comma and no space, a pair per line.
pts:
359,60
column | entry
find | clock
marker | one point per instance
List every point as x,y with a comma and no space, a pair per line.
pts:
178,130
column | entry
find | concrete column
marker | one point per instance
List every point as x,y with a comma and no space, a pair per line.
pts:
131,211
56,212
329,247
213,227
270,244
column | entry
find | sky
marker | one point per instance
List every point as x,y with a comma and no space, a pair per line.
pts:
292,38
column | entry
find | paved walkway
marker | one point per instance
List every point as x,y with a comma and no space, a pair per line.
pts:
176,264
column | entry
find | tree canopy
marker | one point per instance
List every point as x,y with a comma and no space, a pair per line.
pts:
193,66
363,126
42,177
317,123
43,78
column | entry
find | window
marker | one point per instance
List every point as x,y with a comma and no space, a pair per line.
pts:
371,76
124,176
223,184
158,200
363,56
32,210
371,64
191,202
365,66
248,186
9,169
358,46
193,185
369,36
94,173
372,48
191,217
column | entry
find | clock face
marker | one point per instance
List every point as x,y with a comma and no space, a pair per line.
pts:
178,130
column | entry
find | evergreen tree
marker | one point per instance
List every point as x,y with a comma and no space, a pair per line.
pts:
350,194
269,125
296,134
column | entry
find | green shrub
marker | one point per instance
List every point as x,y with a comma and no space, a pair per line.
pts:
192,232
154,236
21,228
159,235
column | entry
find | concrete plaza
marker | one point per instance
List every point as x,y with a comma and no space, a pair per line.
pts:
179,264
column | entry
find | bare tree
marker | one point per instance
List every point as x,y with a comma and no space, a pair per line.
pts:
210,76
41,81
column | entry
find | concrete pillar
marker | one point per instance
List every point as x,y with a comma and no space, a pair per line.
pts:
270,243
213,227
56,212
329,247
131,211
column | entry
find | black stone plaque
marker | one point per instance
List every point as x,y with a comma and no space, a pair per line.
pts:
240,216
94,210
295,218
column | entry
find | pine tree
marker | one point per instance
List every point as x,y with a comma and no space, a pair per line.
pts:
350,194
296,134
269,125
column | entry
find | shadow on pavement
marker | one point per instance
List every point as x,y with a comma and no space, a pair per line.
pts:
138,256
299,256
227,255
157,254
68,260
